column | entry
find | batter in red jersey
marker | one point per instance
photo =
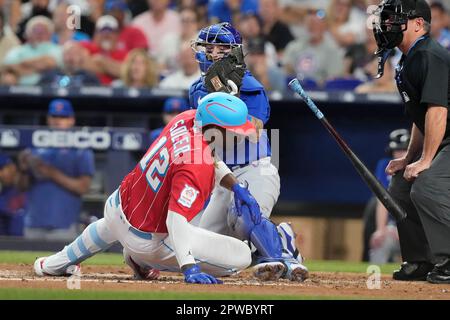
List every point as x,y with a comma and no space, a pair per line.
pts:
150,212
168,178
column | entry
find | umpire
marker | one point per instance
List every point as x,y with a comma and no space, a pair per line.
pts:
421,179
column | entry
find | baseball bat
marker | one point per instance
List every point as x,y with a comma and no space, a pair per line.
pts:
381,193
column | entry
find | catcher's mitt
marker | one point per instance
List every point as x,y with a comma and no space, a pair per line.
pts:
225,75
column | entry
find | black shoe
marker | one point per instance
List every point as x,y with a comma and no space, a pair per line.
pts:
413,271
440,273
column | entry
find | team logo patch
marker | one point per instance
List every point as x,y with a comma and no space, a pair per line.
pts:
217,83
188,196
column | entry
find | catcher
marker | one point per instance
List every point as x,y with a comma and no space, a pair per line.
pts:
218,49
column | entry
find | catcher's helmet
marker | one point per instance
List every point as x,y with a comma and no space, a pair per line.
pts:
221,33
226,111
398,140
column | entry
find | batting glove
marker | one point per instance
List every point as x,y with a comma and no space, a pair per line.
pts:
243,196
194,275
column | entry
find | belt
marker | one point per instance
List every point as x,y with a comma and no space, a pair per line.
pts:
133,230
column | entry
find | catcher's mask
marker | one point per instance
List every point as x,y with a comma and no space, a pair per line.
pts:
217,34
391,20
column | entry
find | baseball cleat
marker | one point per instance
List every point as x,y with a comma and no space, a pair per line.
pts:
269,271
295,271
40,271
413,271
141,273
288,237
440,273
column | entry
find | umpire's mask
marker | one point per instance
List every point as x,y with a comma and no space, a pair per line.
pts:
391,20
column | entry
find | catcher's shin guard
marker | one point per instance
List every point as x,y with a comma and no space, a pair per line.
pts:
264,236
266,239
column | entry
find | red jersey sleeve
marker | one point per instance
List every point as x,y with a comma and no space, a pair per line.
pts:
191,186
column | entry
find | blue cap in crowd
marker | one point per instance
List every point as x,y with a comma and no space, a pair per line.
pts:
60,108
115,4
4,160
176,105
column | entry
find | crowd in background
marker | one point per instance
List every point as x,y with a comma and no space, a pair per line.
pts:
147,43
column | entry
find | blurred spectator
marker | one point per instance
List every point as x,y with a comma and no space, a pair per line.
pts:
294,12
271,76
230,10
106,57
37,55
440,24
200,7
172,107
90,13
129,37
12,200
385,84
188,73
137,7
157,23
380,232
8,77
72,73
250,27
12,13
138,71
316,56
357,56
261,56
56,179
275,31
62,33
8,39
172,43
29,10
346,22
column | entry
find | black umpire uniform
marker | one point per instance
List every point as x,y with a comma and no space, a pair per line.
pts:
422,78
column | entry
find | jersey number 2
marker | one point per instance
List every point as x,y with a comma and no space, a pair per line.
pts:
158,168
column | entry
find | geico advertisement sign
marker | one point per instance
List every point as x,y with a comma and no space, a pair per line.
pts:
71,139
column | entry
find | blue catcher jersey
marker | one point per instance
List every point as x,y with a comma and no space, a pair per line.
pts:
253,94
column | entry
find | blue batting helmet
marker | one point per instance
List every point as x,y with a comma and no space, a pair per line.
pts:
226,111
221,33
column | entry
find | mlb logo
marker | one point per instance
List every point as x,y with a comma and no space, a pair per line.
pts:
127,141
9,138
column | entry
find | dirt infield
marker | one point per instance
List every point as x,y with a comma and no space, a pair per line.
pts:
320,284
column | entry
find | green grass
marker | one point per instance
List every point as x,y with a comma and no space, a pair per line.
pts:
114,259
58,294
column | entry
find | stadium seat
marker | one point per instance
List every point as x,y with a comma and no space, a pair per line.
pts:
307,83
342,84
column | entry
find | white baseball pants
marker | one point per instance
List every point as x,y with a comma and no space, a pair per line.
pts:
264,184
216,254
